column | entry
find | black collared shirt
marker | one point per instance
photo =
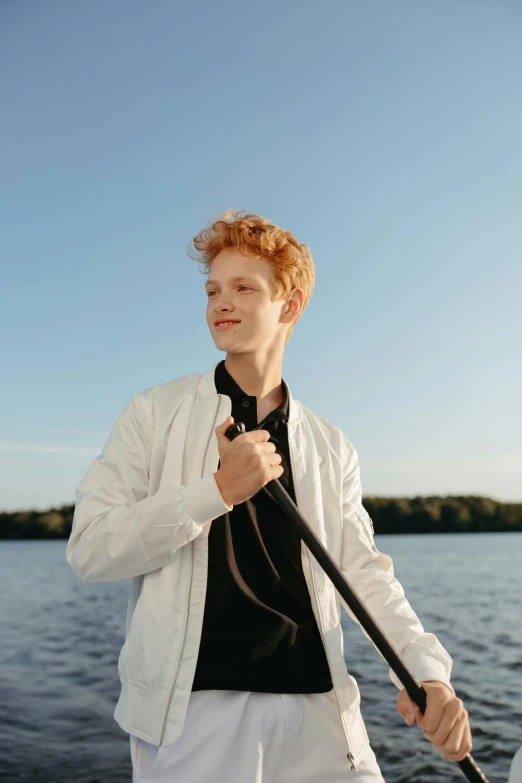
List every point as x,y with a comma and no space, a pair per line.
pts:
259,631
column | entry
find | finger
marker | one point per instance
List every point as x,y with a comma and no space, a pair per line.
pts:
456,756
450,717
260,435
406,707
465,745
467,737
454,744
269,447
430,720
223,427
436,709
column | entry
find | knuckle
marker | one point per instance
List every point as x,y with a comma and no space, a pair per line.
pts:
454,709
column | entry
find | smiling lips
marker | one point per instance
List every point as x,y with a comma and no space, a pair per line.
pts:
226,324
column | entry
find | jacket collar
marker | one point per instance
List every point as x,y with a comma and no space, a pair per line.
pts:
207,385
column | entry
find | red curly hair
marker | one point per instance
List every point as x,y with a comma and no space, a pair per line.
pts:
291,261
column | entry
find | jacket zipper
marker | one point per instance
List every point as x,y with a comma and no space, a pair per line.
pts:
350,755
190,588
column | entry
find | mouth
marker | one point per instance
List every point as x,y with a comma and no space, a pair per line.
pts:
226,325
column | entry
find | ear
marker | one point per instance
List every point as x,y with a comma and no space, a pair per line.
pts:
295,302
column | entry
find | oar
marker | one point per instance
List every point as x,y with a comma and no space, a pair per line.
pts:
414,690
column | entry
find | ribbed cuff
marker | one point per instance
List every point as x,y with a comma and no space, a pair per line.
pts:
204,500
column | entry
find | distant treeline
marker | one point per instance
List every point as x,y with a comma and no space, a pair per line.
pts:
450,514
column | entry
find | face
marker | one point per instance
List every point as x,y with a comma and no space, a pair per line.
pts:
240,288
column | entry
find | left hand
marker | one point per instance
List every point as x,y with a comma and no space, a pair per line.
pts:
445,721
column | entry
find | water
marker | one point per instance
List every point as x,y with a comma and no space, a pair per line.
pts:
61,640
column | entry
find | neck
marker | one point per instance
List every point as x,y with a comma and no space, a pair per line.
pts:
259,377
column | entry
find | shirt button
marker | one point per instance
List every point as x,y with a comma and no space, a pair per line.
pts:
245,403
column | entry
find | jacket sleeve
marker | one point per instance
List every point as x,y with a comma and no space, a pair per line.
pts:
370,574
118,532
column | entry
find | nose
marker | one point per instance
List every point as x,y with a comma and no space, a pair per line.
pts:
222,308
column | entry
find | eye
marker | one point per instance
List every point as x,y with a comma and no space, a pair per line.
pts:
241,286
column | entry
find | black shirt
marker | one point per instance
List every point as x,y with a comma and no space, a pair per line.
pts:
259,631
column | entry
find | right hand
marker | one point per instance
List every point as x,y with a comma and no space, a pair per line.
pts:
247,463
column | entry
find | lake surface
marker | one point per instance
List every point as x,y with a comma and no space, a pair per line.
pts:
61,640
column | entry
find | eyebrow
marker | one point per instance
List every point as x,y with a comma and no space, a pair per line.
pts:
233,280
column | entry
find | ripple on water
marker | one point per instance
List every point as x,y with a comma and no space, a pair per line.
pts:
59,682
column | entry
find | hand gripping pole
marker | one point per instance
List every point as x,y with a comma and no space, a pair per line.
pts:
414,690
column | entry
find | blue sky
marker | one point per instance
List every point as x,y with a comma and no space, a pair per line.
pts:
386,136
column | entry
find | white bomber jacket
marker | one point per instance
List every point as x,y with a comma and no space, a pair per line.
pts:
143,512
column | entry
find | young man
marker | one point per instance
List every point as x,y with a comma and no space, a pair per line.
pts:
232,668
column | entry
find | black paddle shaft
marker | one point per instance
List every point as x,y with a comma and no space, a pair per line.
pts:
414,690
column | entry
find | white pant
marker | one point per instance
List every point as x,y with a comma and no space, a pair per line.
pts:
248,737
